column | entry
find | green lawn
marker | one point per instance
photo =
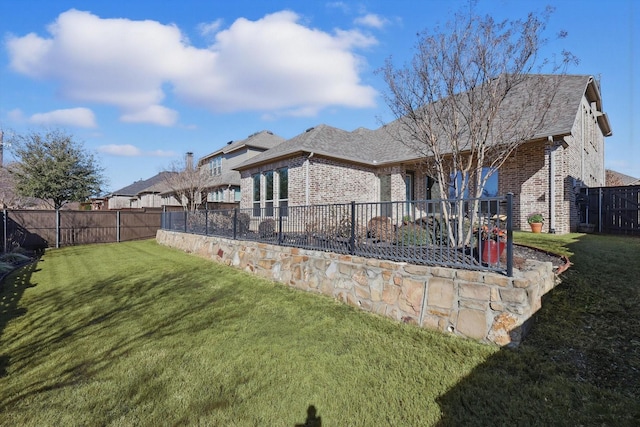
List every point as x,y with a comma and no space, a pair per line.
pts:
138,334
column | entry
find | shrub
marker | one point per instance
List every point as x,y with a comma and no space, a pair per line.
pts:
218,221
412,235
267,228
243,220
380,228
5,267
14,258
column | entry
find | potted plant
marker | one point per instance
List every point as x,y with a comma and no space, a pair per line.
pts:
535,221
493,241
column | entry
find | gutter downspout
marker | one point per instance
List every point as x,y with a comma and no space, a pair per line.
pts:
306,176
552,185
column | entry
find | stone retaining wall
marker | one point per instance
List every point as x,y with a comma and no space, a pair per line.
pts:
484,306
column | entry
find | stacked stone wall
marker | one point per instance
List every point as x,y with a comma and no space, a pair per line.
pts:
484,306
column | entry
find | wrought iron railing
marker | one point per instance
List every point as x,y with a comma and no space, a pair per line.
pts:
429,232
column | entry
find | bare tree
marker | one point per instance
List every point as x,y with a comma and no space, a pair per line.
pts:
613,179
468,99
187,183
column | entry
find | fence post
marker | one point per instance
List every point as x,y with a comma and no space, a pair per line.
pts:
600,210
279,227
510,234
118,226
57,228
235,223
352,238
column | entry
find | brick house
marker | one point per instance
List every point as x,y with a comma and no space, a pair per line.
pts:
328,165
223,188
145,193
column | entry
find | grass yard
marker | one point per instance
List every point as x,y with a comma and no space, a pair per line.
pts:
138,334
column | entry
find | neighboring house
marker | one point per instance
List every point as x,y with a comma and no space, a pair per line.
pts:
615,179
329,165
223,186
145,193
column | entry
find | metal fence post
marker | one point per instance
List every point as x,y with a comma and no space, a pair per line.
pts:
510,234
280,239
185,221
235,223
352,238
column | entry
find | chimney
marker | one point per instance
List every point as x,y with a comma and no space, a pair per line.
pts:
188,161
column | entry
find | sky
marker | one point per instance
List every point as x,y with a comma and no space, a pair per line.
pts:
140,83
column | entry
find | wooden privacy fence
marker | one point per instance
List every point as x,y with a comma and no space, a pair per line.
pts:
611,210
37,229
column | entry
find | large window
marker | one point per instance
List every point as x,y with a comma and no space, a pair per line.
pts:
268,193
256,195
490,188
283,191
216,165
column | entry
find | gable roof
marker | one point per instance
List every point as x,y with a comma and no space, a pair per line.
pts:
622,178
141,186
382,146
263,140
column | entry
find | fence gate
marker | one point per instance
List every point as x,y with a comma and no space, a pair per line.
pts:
612,210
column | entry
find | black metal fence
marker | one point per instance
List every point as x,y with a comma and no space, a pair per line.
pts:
610,210
429,232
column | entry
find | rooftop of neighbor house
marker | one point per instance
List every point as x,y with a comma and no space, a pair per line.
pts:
381,146
264,139
143,185
616,178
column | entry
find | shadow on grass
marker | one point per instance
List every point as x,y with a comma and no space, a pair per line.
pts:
580,363
108,312
12,288
313,420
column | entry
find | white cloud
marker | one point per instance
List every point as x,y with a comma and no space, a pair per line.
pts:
210,28
128,150
125,150
16,115
156,114
372,20
80,117
273,65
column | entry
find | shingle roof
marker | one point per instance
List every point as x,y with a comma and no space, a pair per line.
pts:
264,139
383,146
143,185
624,179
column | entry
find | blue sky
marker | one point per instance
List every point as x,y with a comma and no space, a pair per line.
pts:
142,82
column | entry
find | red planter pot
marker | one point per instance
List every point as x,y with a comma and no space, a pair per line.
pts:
492,250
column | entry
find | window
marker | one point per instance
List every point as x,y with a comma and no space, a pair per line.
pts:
409,189
268,193
283,191
256,195
216,165
237,194
491,187
428,186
